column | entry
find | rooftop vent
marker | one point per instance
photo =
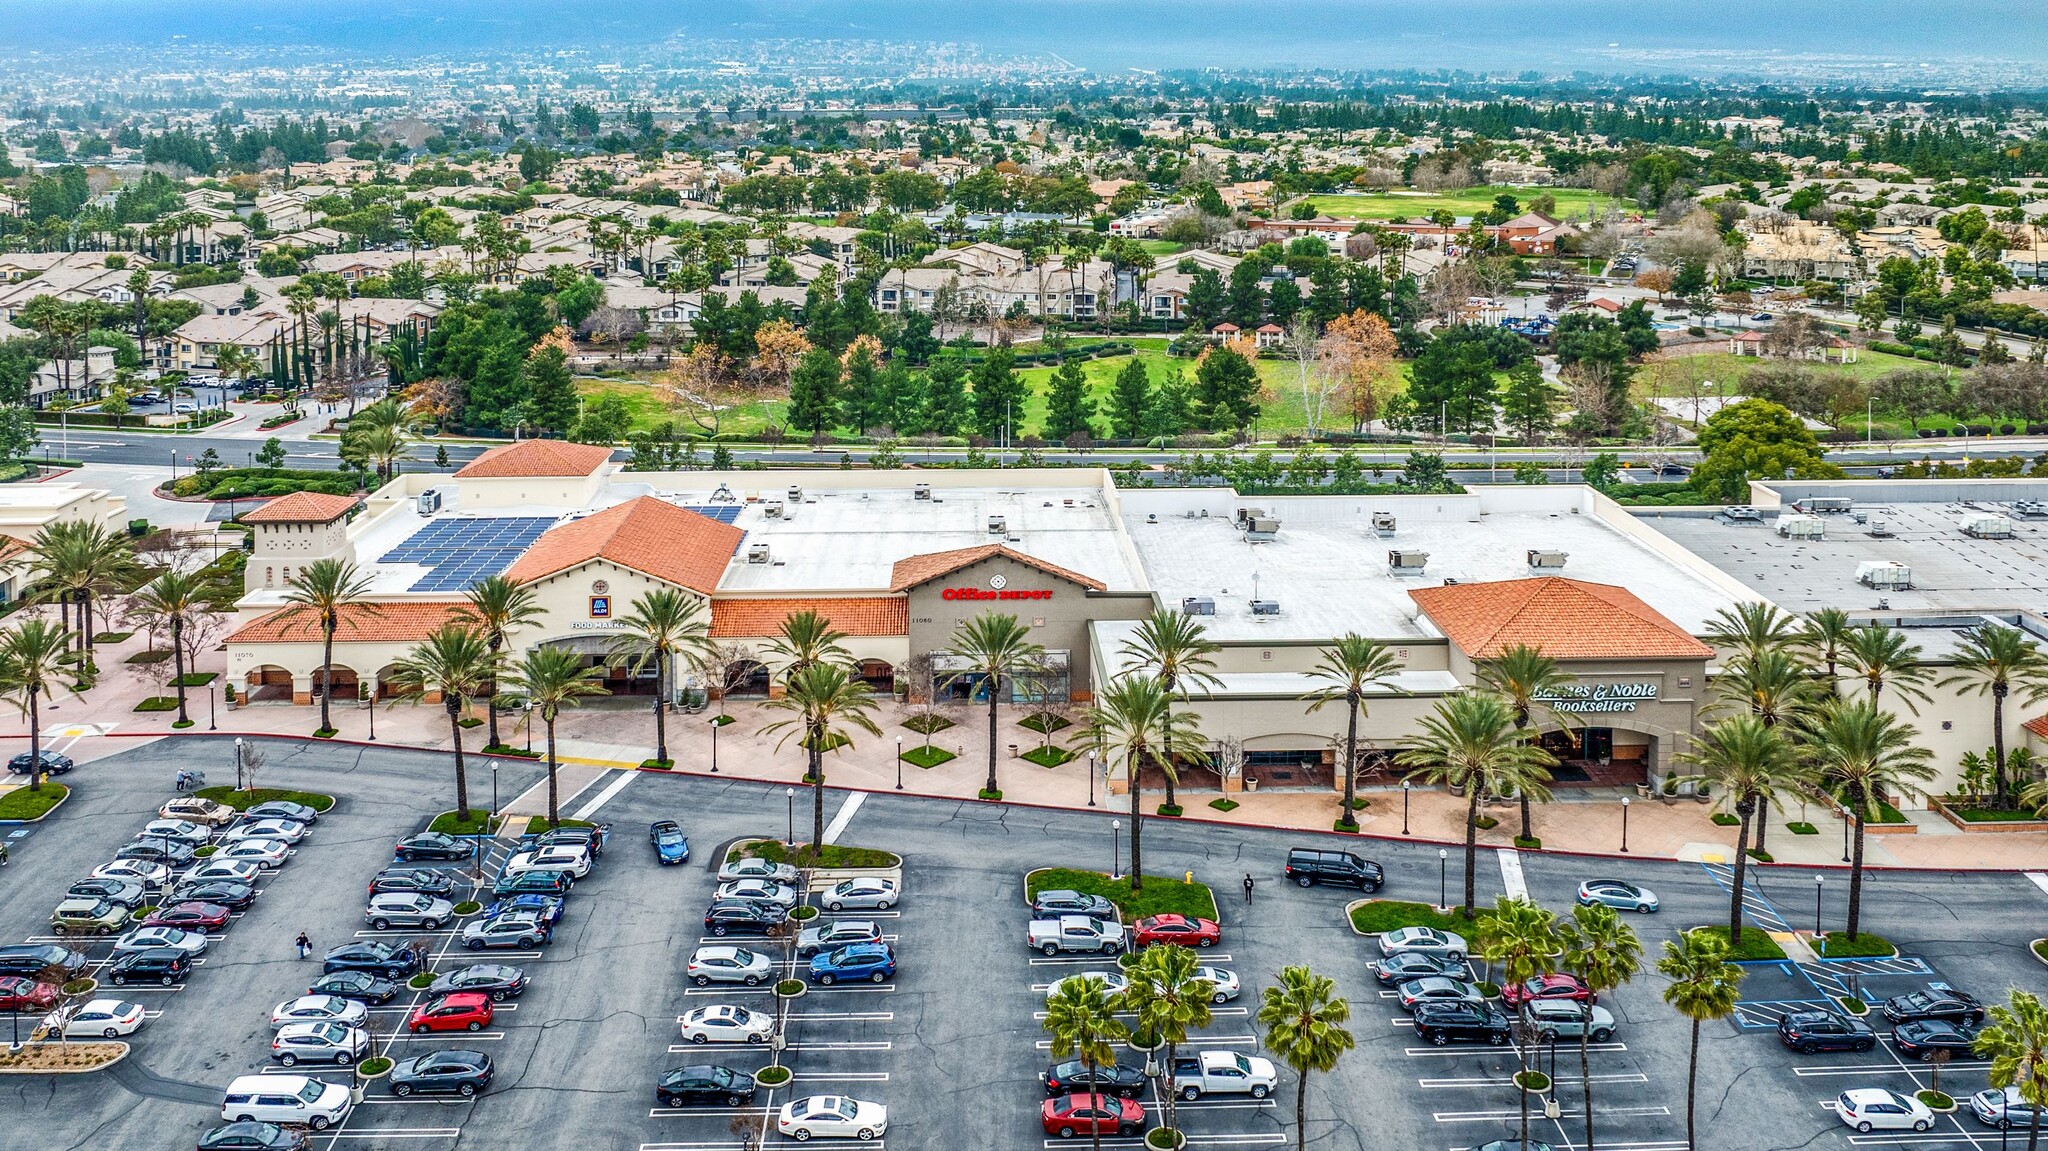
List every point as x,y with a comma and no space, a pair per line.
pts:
1151,517
1888,575
1824,505
772,509
1198,605
757,553
1879,528
1265,607
1261,529
1985,526
1246,515
921,492
1546,561
1383,524
796,494
1801,527
724,495
1406,562
1743,513
2029,509
998,526
429,502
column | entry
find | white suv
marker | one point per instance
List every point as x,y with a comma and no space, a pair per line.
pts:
558,857
285,1099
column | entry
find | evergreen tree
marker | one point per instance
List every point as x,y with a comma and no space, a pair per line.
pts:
814,390
1283,300
825,322
1245,302
1129,397
1225,386
1205,299
1452,382
1326,293
1529,403
914,340
899,399
1066,404
497,394
1172,408
553,393
860,394
946,402
998,394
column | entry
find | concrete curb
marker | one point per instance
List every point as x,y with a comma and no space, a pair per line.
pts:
38,819
118,1056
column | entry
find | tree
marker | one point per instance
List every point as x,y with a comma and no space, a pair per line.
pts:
2016,1042
2000,661
552,678
35,660
1529,403
323,590
1869,757
1424,472
553,393
662,624
1880,655
1755,439
494,606
170,601
1469,742
1176,648
1130,393
1080,1023
1066,403
1604,953
1226,386
1704,986
946,402
861,400
453,665
1357,349
1523,939
1348,669
1134,717
1773,686
1304,1020
1823,637
1749,762
807,638
1453,380
1752,628
1167,999
77,561
992,647
821,699
998,395
1524,677
271,455
814,391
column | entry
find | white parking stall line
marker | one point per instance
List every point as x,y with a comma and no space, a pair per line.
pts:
861,913
1214,1012
1231,1040
1567,1113
871,1145
844,1016
1098,958
835,989
846,1045
1469,1048
1909,1138
1214,1105
436,1101
616,786
1192,1140
451,1036
1490,1081
2039,879
840,1077
844,815
704,1112
393,1133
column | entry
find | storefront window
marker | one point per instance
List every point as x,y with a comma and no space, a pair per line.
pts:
951,680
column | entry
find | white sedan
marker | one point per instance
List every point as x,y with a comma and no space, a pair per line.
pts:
239,870
1113,982
175,830
725,1024
1224,984
289,830
320,1009
832,1117
145,938
865,892
268,854
758,891
140,870
101,1019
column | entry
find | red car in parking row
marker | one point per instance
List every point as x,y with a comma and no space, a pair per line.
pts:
459,1011
193,916
1548,987
1068,1116
20,993
1175,929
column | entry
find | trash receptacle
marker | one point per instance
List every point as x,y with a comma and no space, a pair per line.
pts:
1013,751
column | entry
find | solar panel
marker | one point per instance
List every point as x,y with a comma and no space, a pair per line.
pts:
723,513
461,551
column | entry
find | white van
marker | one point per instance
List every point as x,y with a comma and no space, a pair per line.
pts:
285,1099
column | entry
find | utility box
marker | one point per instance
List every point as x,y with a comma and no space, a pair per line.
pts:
1889,575
772,509
1265,607
1546,561
1198,605
1261,529
429,502
1824,505
1801,527
1986,526
1383,524
757,553
998,526
921,492
1406,562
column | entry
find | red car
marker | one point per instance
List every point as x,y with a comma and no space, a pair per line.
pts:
199,918
20,993
1175,929
1069,1115
460,1011
1548,987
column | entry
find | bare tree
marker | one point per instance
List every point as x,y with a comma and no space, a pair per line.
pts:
720,664
1316,381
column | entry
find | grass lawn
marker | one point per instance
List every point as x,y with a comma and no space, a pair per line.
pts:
21,803
1666,377
244,800
927,756
1756,944
1280,404
1467,202
539,823
1048,756
1377,916
1864,946
478,823
834,855
1991,815
1160,895
649,410
1163,247
2040,947
158,703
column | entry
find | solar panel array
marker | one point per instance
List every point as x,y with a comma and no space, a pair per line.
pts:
723,513
460,552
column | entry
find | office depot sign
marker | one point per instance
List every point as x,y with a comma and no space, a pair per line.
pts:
977,593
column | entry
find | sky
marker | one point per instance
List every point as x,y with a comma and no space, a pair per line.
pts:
1607,35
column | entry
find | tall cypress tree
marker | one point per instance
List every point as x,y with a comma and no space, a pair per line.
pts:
1129,396
998,394
814,391
946,403
1066,404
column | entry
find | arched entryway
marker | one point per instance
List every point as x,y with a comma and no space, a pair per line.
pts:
268,684
748,679
878,674
388,685
339,681
1601,756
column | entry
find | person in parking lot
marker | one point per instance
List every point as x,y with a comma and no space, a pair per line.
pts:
304,945
1247,889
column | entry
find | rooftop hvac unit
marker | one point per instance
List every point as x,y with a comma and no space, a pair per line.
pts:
1879,528
723,495
1197,605
2029,509
998,526
1823,505
796,495
1546,561
1801,527
429,502
772,509
1889,575
921,492
1246,515
1407,562
1383,524
1986,526
1261,529
1265,607
1743,513
757,553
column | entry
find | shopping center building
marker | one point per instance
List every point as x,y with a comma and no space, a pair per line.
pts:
897,559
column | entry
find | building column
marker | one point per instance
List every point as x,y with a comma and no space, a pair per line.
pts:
302,688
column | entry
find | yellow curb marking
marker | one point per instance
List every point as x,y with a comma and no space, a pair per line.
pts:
1710,857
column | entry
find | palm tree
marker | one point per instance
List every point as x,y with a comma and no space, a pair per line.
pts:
1136,715
1883,655
1469,741
494,606
992,646
1523,938
1166,1001
552,678
1523,676
2016,1043
806,638
1176,648
1999,661
1826,639
1080,1022
1604,953
1771,685
172,599
322,589
35,660
453,663
1748,761
1867,754
661,623
1752,628
1349,668
820,698
1704,986
1304,1020
78,560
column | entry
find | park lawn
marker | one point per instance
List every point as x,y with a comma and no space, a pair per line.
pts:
1467,202
1160,895
1280,411
1163,247
1665,377
650,410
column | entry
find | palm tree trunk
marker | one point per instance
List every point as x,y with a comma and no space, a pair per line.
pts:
491,704
1471,846
1585,1079
1094,1095
818,795
1168,712
326,671
994,682
1137,825
1301,1111
661,707
453,705
1523,1096
1350,761
1856,880
1997,746
554,812
2034,1131
35,743
1741,868
178,664
1692,1080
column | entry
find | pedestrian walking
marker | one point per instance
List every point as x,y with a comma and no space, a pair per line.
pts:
1247,889
305,945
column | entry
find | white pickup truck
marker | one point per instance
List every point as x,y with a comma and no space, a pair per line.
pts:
1223,1073
1078,933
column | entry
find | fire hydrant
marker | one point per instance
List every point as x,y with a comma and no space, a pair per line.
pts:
1189,878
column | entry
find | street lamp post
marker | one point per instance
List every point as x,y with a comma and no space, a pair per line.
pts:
1845,835
1624,825
790,794
1091,779
238,763
1443,877
1818,882
899,763
1405,788
373,711
174,465
212,712
1116,851
714,745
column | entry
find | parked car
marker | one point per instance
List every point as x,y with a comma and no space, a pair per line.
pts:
725,1024
751,867
197,810
464,1073
1308,866
548,908
533,883
374,957
1809,1031
874,962
235,870
590,839
1113,982
253,1137
1619,894
739,917
148,873
671,846
831,933
22,993
2004,1109
1876,1109
53,763
1427,940
88,917
268,854
182,830
1444,1023
362,986
1118,1079
284,809
420,880
390,909
284,830
1175,929
1436,989
757,891
126,892
1075,933
702,1084
328,1042
434,845
1102,1114
102,1019
865,892
1223,985
161,965
832,1117
169,852
493,979
1568,1018
1059,901
512,929
723,963
320,1009
195,917
1405,965
1551,986
567,858
149,938
229,893
1935,1001
457,1011
36,958
287,1099
1223,1073
1924,1039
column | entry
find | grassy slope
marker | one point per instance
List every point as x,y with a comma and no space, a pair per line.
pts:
1470,201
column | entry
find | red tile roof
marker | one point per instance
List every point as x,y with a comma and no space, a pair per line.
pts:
856,616
648,535
408,622
531,459
1567,618
910,572
2038,725
12,548
303,508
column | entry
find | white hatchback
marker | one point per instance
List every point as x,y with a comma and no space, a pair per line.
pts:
1876,1109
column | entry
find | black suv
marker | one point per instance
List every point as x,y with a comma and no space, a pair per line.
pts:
1309,866
165,965
1442,1023
739,917
1810,1031
33,958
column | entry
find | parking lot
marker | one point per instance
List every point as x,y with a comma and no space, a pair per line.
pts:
954,1043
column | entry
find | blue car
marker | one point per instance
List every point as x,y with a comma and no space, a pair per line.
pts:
547,907
870,961
670,844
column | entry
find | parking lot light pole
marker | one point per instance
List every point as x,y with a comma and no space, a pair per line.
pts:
899,763
1116,856
212,713
238,763
1091,779
1818,882
1405,788
1845,834
714,745
1443,877
790,794
1624,825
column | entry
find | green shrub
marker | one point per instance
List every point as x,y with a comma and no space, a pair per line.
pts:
1866,945
244,800
451,823
158,703
1724,819
1802,828
833,855
1223,804
1756,943
1048,756
927,756
1159,896
1377,916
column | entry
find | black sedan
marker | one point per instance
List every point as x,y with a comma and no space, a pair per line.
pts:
493,979
591,839
1403,966
360,985
53,764
225,892
434,845
1118,1079
250,1135
683,1086
1925,1039
463,1073
283,809
738,917
1935,1001
1445,1023
373,957
424,880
